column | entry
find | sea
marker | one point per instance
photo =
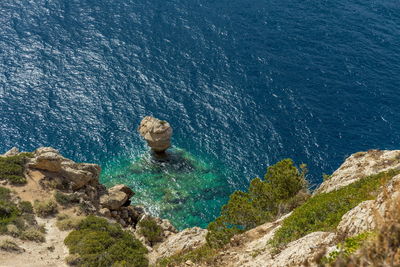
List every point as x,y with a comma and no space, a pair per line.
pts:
244,84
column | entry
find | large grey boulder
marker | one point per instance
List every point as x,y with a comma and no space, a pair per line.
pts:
157,133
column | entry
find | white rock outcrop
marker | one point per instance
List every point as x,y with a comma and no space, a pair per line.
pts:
360,165
77,174
157,133
185,240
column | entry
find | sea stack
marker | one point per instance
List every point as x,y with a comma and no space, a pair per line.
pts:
157,133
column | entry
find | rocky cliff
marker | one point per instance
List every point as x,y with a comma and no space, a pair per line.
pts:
56,185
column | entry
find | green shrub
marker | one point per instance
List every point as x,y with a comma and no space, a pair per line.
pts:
33,234
65,222
65,199
45,208
13,216
151,230
203,254
12,168
348,247
99,243
26,206
10,246
279,192
8,210
326,177
5,194
323,212
73,260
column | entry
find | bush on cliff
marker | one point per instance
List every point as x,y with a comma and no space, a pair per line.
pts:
96,242
9,212
12,168
66,199
45,208
284,187
151,230
323,212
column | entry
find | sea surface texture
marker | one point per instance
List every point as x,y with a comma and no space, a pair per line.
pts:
243,83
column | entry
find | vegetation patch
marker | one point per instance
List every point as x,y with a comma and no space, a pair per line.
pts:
283,188
324,211
66,199
9,211
10,246
151,230
33,234
202,255
26,207
45,208
66,222
96,242
348,247
12,168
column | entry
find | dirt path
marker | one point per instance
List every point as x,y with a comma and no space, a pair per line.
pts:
50,253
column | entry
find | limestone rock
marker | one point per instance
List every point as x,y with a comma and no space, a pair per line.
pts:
358,220
77,174
123,188
156,132
48,159
105,212
360,165
387,203
116,197
303,250
12,152
185,240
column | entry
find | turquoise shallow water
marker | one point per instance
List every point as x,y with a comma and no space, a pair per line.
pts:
243,83
186,189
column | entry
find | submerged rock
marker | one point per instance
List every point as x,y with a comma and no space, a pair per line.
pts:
157,133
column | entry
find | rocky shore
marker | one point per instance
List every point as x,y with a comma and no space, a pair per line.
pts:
75,192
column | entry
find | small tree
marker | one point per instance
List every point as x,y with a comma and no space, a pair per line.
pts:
263,202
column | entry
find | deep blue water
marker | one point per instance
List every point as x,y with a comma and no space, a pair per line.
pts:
243,83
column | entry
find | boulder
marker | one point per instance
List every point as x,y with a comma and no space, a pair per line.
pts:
157,133
77,174
116,197
186,240
47,159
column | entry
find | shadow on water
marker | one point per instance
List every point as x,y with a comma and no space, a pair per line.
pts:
186,189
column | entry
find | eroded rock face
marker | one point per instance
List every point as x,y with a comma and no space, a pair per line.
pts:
358,220
77,174
157,133
186,240
116,197
360,165
303,250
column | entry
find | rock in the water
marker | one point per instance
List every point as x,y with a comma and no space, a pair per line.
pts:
117,197
156,132
12,152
